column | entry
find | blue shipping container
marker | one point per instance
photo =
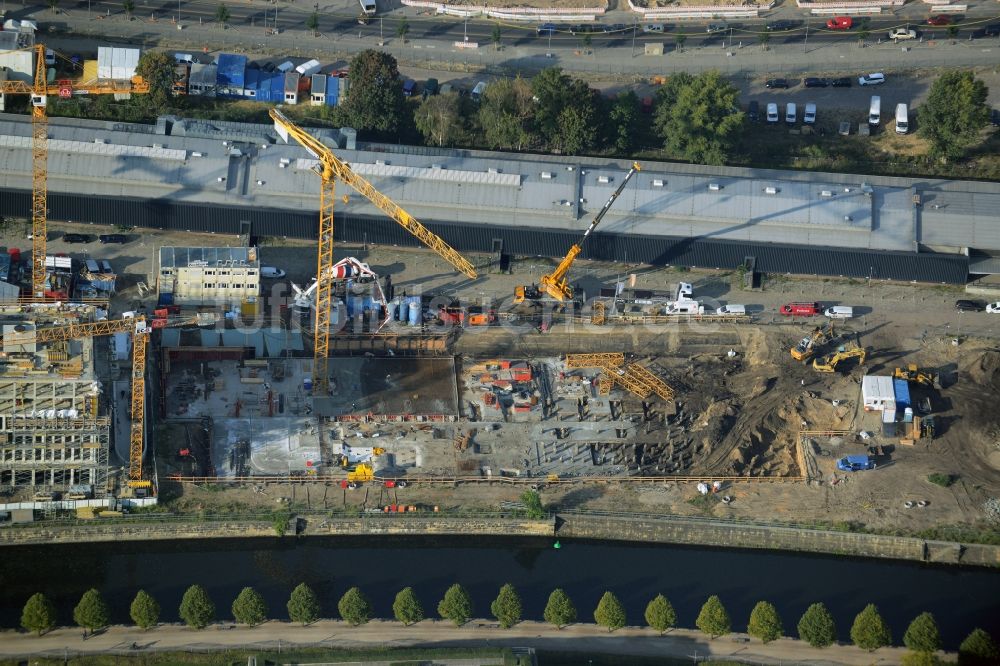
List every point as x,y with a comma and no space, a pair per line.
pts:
332,90
901,388
278,87
230,75
251,84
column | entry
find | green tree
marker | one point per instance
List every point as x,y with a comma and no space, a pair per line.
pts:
978,649
954,114
609,612
680,38
551,89
952,31
407,608
222,14
533,503
456,605
402,29
144,611
920,659
578,122
701,121
869,631
354,607
439,120
39,615
587,42
816,626
303,605
91,613
765,623
312,22
506,608
765,37
375,102
622,120
129,7
52,5
713,618
923,635
496,36
504,115
249,607
197,609
660,614
157,69
559,610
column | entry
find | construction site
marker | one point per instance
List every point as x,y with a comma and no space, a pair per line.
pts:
234,371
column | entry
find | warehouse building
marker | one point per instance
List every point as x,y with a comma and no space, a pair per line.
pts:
208,276
232,178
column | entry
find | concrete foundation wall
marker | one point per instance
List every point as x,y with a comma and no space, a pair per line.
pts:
694,531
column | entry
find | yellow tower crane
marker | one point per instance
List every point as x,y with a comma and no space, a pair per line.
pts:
331,169
39,91
555,284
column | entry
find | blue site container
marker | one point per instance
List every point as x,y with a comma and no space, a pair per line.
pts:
332,90
165,299
901,389
251,84
278,87
230,75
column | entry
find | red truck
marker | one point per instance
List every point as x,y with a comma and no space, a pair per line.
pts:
840,23
801,309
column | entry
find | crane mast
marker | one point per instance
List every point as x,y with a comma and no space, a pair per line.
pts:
331,169
555,283
39,91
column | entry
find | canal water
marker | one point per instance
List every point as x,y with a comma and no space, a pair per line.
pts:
960,598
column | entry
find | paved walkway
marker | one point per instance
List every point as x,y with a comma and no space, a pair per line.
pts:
381,634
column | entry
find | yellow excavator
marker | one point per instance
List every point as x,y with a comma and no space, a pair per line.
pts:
830,362
806,347
555,284
914,374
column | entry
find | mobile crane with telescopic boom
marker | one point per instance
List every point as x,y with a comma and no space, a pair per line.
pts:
555,285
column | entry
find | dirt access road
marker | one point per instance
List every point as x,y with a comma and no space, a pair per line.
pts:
582,638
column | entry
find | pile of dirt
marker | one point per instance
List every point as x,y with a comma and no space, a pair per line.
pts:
984,369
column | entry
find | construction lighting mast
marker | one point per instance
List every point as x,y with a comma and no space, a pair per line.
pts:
39,91
331,169
555,283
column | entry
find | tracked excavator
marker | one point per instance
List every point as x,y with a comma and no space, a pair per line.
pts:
807,347
830,362
914,374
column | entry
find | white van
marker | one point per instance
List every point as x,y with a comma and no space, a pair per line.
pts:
810,116
875,111
791,113
732,310
684,307
902,119
840,312
477,92
772,112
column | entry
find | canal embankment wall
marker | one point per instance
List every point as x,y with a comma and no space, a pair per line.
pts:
692,531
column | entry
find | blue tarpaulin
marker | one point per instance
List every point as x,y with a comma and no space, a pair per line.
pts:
902,390
230,75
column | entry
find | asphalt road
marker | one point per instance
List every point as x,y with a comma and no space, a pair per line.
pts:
340,20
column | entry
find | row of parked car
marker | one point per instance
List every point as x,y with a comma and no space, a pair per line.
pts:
791,113
873,79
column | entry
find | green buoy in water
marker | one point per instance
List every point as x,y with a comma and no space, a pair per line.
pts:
557,545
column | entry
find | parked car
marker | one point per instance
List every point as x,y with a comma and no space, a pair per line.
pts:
654,27
875,79
753,111
897,34
430,88
546,29
940,19
840,23
855,463
409,87
716,27
992,30
809,118
772,112
813,82
271,272
965,305
791,113
113,238
617,27
776,83
993,308
77,238
800,309
776,26
584,28
842,82
646,105
995,117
